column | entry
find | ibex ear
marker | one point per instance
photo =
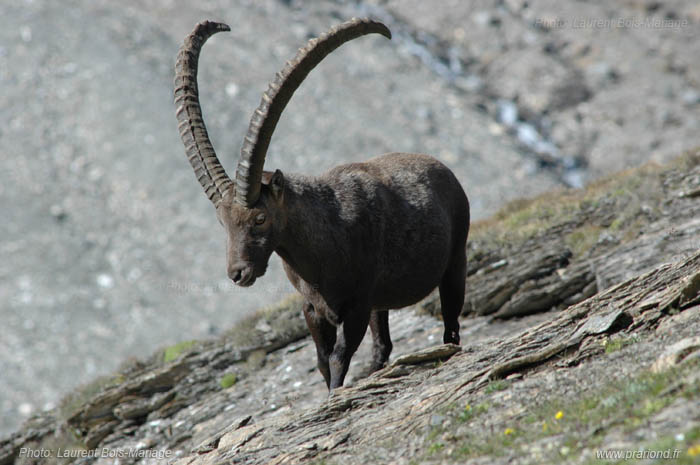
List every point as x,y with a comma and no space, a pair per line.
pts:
274,181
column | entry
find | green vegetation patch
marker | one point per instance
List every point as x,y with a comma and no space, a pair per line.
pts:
620,204
496,385
618,343
582,239
470,412
572,424
228,380
173,352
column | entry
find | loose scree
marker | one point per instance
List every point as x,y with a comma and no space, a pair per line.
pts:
356,241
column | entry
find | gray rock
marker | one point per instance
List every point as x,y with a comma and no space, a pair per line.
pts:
683,350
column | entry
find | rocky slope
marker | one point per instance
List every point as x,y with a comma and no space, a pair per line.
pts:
107,242
603,356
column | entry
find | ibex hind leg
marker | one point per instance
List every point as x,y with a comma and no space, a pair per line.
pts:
324,336
381,339
452,295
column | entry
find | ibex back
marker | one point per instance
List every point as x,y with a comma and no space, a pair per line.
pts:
357,241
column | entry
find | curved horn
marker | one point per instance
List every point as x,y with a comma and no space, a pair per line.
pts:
200,152
280,91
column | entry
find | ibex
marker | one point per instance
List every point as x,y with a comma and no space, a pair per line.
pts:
356,241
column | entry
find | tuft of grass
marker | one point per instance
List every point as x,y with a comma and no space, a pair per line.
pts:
618,343
72,402
173,352
469,412
582,239
282,320
435,447
522,219
228,380
496,385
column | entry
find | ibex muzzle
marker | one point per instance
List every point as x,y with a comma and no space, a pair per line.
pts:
357,241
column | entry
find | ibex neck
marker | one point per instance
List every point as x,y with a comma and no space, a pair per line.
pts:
308,240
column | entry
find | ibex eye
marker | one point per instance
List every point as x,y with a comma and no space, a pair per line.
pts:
260,219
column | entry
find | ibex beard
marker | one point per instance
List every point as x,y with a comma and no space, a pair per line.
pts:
356,241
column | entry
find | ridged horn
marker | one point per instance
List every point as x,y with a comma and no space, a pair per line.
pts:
280,91
207,168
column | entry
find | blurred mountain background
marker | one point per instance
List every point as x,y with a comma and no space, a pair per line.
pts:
109,249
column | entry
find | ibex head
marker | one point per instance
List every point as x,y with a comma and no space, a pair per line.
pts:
252,210
253,233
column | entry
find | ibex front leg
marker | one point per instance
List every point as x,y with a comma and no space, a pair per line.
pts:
323,334
350,334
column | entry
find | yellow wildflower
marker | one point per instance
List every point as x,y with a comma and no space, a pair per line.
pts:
509,431
694,450
559,415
